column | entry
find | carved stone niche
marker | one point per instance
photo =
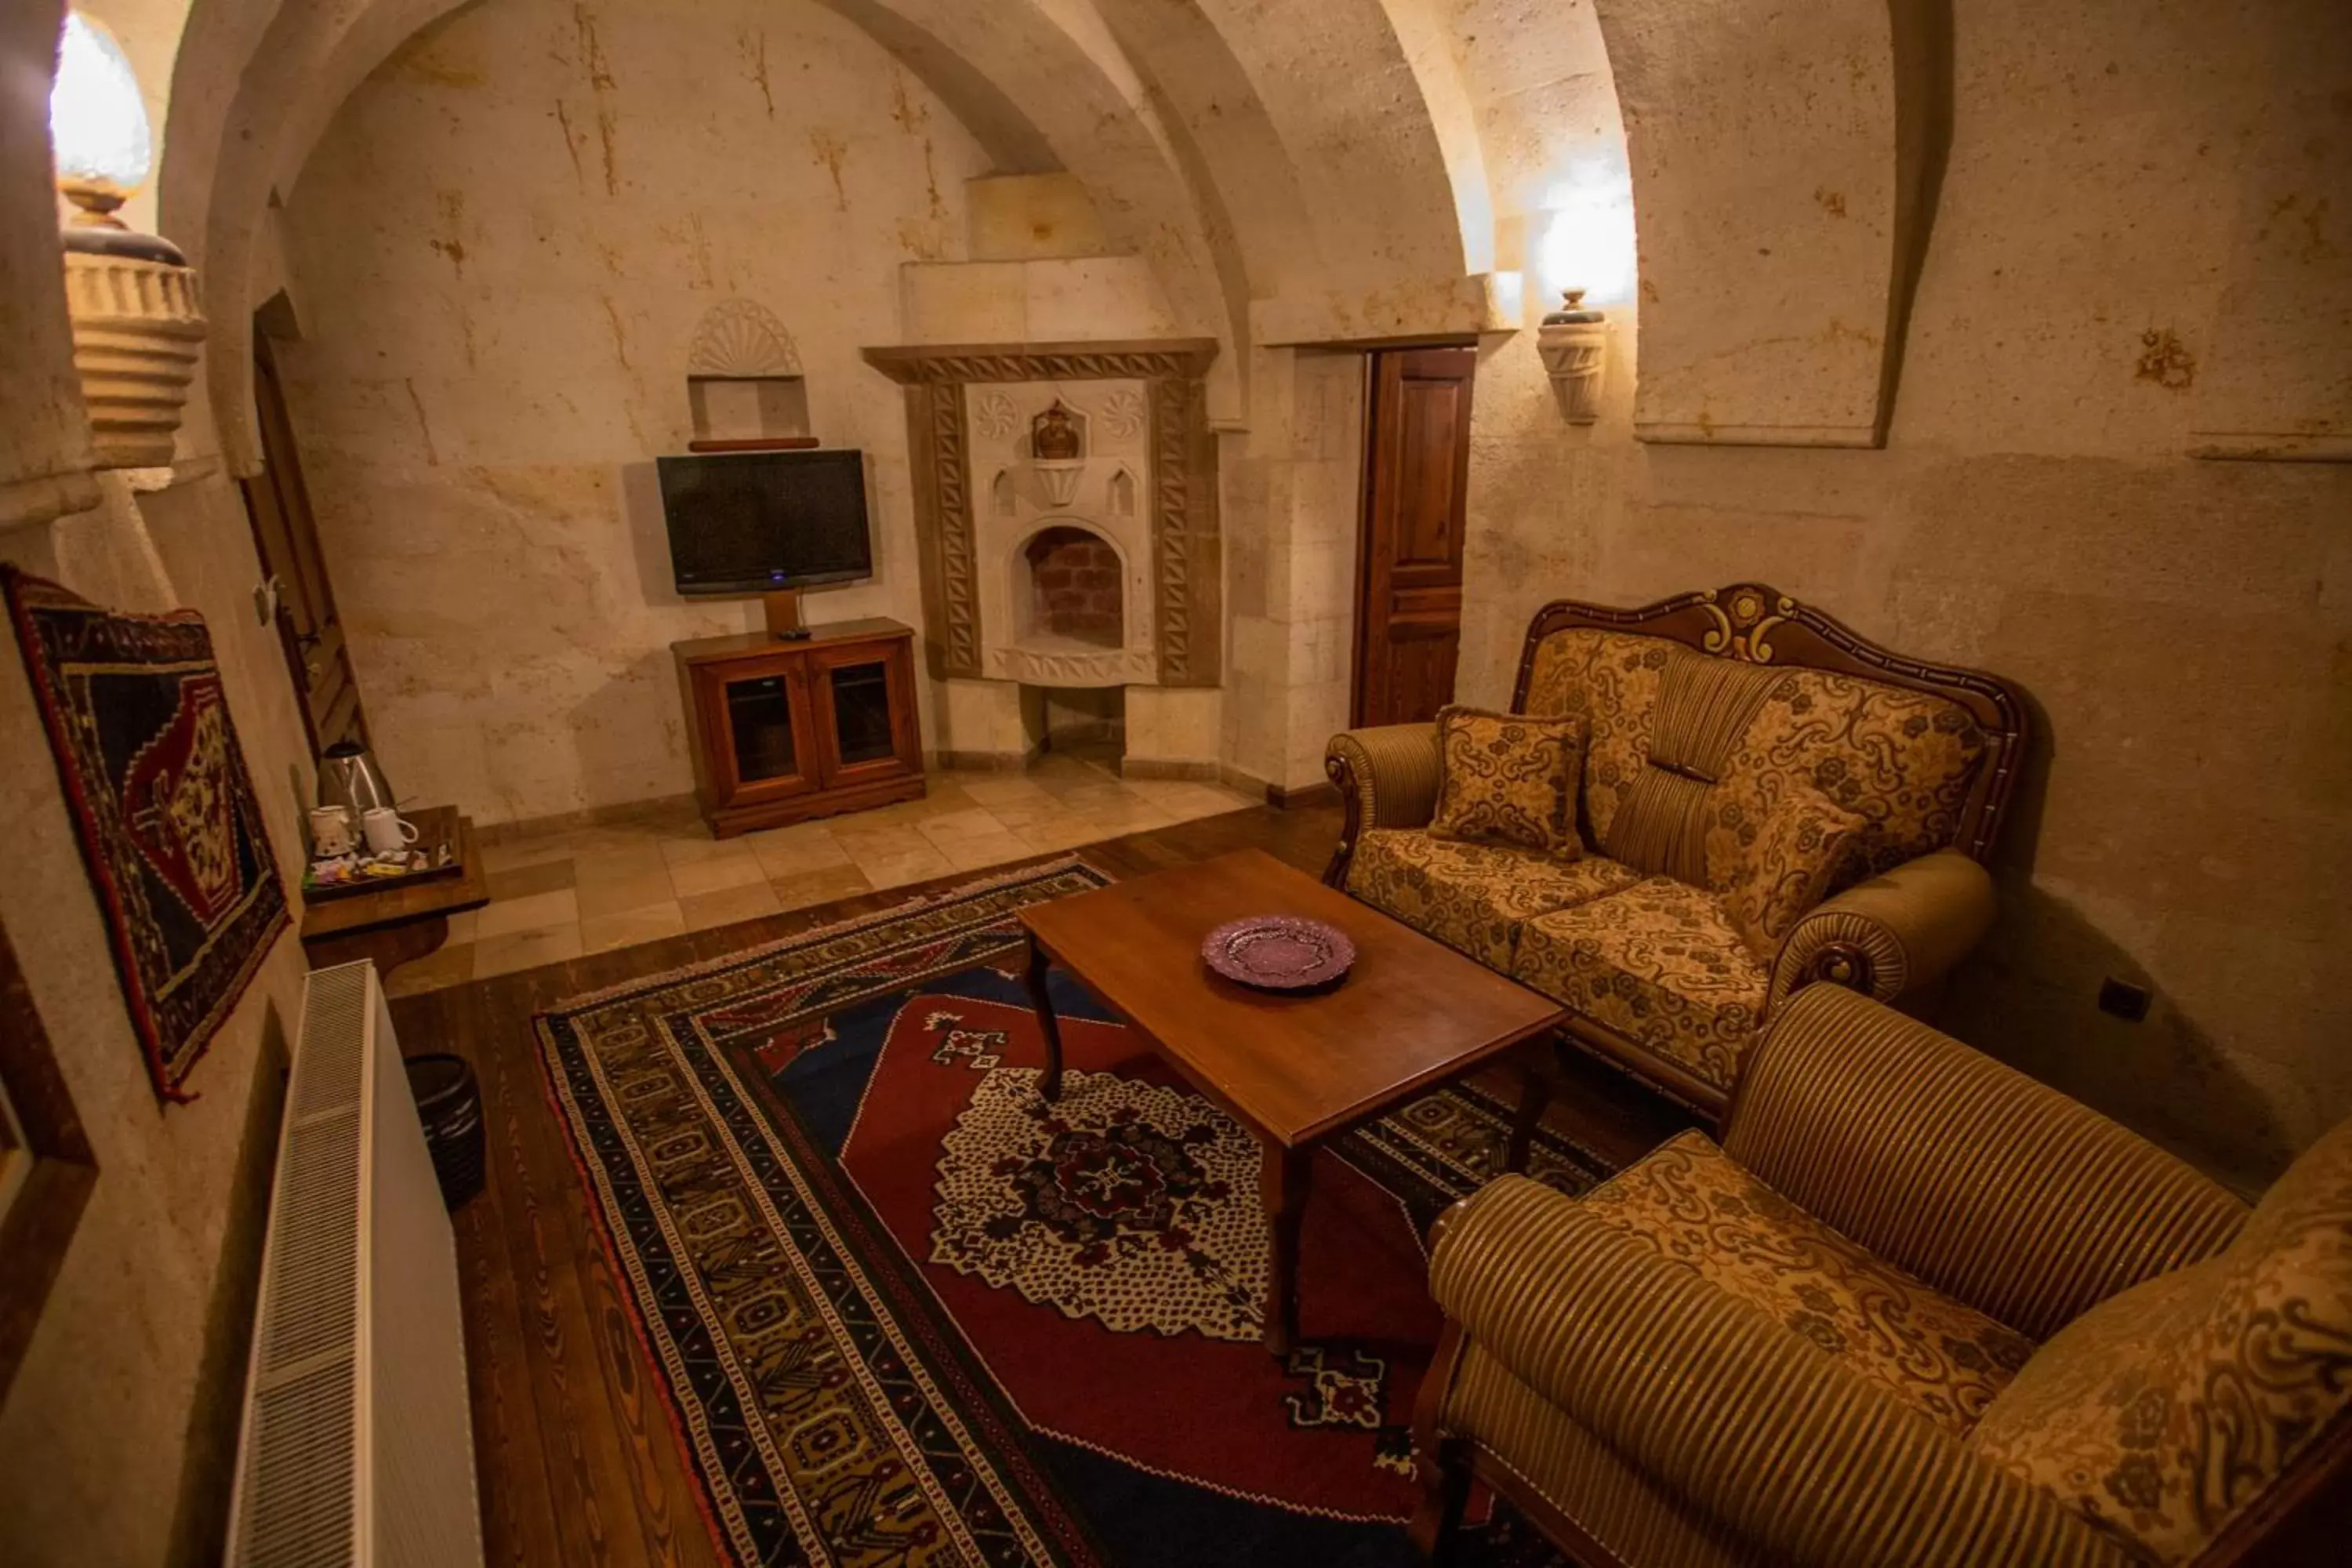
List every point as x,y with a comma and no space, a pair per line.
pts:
743,379
1146,486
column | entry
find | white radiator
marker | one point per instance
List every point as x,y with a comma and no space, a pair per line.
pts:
358,1445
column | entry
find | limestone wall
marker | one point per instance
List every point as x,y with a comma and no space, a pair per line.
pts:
499,251
116,1435
2184,625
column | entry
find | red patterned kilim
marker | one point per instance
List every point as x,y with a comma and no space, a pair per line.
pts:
1165,1371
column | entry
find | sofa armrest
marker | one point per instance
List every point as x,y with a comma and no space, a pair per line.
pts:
1727,1410
1387,777
1891,936
1991,1187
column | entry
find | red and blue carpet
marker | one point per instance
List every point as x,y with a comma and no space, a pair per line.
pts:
906,1313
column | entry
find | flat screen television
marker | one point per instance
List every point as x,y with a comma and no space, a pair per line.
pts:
748,522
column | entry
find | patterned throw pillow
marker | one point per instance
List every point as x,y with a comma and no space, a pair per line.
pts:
1509,779
1807,848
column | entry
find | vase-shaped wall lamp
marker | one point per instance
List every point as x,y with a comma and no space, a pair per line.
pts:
1574,343
137,324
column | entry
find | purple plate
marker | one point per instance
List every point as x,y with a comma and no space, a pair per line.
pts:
1278,952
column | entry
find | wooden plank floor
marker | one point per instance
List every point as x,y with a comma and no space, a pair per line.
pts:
577,1461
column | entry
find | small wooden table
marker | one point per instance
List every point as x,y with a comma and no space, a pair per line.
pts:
1296,1071
403,920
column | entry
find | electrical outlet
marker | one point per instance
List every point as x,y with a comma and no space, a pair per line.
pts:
2124,1000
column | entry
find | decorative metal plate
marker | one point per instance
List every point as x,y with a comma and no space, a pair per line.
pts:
1279,952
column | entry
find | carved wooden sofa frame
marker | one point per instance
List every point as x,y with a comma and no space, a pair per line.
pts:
1759,624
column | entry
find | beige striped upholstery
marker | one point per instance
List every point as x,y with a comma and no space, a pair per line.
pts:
1910,926
1705,705
1723,1355
1750,1429
1559,1458
1991,1187
1397,770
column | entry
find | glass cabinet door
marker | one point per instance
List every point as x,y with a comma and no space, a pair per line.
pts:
759,720
861,714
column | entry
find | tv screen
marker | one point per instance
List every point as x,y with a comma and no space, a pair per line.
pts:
745,523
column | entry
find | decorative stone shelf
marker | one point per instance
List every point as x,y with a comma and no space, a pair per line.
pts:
743,381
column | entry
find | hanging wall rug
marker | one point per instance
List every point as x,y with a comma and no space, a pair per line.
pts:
171,830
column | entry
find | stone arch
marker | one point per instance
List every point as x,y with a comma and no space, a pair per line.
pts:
1777,223
1160,110
296,71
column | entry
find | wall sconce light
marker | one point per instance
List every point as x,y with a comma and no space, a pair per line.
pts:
1574,343
137,323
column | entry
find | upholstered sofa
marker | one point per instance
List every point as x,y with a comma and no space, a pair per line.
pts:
1701,713
1916,1309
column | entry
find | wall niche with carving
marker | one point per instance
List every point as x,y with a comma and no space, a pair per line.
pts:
743,380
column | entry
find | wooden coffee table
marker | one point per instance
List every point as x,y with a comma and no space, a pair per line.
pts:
1298,1071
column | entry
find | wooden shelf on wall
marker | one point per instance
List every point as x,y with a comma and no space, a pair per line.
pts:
766,443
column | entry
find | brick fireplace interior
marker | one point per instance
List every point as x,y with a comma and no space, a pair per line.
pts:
1074,585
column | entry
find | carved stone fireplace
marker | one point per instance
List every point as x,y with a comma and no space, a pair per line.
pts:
1075,585
1065,506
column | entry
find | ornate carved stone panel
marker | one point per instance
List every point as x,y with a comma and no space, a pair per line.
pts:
1161,407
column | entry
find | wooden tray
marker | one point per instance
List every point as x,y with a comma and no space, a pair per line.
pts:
435,825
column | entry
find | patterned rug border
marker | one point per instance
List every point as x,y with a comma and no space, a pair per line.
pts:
786,1129
782,1125
625,989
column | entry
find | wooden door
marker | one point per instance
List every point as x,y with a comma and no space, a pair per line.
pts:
762,742
865,712
278,503
1416,472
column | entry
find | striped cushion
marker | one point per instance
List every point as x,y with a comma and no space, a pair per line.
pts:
1994,1189
1704,708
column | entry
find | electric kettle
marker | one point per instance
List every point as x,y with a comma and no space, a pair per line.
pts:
348,777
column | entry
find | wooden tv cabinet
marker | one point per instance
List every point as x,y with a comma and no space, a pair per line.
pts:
783,732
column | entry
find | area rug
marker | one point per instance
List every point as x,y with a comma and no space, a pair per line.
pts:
904,1313
171,834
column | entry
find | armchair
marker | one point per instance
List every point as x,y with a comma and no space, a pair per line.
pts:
1916,1309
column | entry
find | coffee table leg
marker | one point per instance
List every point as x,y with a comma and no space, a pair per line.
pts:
1050,1086
1535,1093
1281,1185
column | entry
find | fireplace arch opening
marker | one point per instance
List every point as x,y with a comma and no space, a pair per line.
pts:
1073,588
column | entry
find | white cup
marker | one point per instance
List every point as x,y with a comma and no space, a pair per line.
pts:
385,830
330,831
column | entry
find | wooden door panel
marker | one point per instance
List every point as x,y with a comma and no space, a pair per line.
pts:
286,536
1427,513
1422,671
1416,472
